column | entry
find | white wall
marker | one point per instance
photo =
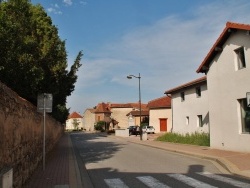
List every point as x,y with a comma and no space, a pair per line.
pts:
70,126
156,114
191,107
226,86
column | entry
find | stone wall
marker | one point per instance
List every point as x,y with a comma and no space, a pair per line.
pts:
21,135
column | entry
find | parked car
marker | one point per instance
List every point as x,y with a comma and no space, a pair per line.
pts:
133,130
148,129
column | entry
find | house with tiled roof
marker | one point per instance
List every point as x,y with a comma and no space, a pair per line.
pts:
190,107
102,112
160,114
74,122
127,114
99,113
135,116
227,66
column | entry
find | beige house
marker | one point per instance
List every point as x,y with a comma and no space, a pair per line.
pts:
100,113
74,122
89,119
124,114
119,112
227,66
116,115
190,107
160,114
135,116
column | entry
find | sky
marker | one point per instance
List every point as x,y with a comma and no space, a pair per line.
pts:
163,40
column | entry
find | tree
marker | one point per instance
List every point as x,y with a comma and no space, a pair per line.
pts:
33,58
75,124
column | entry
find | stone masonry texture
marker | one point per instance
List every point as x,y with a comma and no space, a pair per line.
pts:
21,135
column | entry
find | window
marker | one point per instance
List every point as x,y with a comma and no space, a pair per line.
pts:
198,91
199,121
240,58
187,120
245,115
182,96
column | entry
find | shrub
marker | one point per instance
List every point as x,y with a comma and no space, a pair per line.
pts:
99,126
200,139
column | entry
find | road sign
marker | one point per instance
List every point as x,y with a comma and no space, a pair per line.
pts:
44,104
44,101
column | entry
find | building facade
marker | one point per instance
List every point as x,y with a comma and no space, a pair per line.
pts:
160,114
74,122
190,107
227,66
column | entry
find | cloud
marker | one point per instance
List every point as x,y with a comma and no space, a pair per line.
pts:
166,53
83,3
54,10
68,2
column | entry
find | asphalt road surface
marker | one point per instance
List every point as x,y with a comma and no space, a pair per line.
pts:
115,162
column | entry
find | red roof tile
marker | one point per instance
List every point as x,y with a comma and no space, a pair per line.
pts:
127,105
118,105
137,113
230,26
102,108
163,102
74,115
194,82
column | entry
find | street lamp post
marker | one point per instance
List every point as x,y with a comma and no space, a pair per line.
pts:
139,78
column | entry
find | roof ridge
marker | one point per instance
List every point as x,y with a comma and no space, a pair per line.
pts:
218,43
187,84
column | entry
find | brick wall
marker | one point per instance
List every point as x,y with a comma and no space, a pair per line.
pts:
21,135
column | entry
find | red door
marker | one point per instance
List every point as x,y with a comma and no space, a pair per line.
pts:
163,124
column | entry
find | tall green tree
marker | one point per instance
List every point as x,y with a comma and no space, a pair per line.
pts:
33,58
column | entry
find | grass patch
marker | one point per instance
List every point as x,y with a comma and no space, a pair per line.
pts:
200,139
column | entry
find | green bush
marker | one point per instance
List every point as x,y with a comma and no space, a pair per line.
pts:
99,126
200,139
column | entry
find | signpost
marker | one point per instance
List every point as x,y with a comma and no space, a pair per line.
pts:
44,104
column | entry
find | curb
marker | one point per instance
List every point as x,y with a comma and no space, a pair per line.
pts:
74,173
83,179
224,163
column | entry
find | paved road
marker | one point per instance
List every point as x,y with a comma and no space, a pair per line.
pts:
114,162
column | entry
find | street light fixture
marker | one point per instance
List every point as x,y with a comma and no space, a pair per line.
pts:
139,78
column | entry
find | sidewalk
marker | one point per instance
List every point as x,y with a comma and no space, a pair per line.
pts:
61,169
237,163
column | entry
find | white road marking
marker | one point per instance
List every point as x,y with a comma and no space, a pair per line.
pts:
151,182
190,181
225,179
115,183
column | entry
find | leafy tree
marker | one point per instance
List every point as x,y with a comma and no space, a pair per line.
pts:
75,124
33,58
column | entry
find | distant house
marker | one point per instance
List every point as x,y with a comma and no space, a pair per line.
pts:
227,66
119,112
160,114
89,119
190,107
135,116
100,113
74,122
126,114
